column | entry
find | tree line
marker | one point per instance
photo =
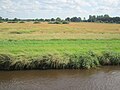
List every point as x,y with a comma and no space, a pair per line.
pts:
104,18
92,18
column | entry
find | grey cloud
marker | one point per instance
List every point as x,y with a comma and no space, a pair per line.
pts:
75,6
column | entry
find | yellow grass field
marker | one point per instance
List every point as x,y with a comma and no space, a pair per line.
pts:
44,31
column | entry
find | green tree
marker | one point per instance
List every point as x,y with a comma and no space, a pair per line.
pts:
15,19
52,19
58,19
42,20
76,19
67,19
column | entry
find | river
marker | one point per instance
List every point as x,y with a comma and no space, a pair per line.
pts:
104,78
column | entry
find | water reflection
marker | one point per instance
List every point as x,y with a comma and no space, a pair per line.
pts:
105,78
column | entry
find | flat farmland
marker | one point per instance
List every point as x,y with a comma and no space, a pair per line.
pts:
44,31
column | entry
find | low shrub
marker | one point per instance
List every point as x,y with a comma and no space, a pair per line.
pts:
58,22
12,22
1,21
55,22
36,22
50,22
65,22
15,32
21,22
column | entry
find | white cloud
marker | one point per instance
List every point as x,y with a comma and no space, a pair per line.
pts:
55,7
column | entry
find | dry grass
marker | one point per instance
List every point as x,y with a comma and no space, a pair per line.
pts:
45,31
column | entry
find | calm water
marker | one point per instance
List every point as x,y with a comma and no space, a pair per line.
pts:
106,78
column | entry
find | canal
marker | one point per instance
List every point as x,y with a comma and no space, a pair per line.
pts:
104,78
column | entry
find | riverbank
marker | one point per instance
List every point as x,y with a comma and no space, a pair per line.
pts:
57,61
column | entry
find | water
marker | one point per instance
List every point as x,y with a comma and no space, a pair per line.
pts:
105,78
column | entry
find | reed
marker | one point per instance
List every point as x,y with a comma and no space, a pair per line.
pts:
109,58
58,61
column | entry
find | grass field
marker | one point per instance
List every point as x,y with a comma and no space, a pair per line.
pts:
32,48
28,40
43,31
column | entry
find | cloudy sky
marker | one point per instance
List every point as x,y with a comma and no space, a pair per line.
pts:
58,8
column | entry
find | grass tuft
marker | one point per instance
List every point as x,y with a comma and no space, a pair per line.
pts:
57,61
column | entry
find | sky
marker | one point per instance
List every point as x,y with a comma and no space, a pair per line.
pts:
58,8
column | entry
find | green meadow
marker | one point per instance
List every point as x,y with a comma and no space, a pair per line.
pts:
39,47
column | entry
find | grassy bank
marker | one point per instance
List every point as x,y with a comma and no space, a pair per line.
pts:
58,54
40,47
57,61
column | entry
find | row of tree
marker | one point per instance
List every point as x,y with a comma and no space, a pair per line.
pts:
101,18
41,20
104,18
